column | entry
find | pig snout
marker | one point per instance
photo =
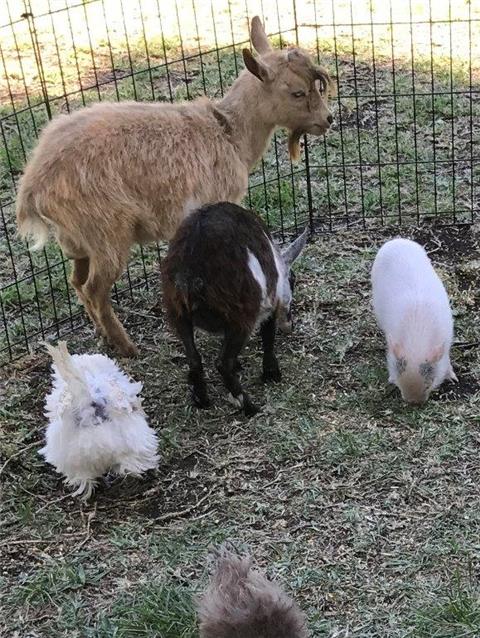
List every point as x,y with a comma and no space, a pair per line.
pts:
415,397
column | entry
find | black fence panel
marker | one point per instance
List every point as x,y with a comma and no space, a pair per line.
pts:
404,148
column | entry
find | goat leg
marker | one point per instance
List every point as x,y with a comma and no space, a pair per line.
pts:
238,367
196,378
271,369
96,292
227,366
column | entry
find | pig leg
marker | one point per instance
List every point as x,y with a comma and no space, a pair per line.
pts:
451,376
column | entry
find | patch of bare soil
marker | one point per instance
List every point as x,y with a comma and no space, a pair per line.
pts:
448,243
466,386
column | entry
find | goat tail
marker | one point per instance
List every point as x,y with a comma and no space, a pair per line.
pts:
241,602
66,368
30,224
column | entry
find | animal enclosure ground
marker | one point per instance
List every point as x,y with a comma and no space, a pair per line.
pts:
367,509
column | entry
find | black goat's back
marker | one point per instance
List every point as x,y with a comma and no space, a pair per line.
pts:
206,269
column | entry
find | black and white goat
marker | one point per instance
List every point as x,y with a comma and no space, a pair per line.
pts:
224,274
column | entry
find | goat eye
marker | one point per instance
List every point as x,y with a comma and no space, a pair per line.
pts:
299,94
320,87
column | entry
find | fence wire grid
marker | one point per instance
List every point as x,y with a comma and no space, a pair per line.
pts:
404,147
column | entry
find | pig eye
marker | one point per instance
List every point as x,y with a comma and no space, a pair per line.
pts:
299,94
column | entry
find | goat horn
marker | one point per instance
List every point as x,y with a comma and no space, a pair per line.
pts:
325,79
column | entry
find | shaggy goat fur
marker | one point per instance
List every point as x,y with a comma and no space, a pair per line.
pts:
110,175
96,421
241,603
224,274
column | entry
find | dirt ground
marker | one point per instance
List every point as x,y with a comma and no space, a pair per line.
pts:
367,510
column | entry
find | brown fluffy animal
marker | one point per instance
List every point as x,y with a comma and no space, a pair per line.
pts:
241,603
224,274
110,175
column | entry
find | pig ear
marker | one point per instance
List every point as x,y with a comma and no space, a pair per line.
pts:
396,348
292,252
436,353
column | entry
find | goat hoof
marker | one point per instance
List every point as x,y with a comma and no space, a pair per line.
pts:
236,401
272,374
201,402
250,409
242,401
127,350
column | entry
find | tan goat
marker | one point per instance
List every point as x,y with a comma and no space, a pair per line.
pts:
110,175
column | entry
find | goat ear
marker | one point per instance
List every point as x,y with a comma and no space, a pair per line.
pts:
292,252
255,66
258,36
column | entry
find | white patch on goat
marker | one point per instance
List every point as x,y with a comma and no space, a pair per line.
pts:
266,305
190,205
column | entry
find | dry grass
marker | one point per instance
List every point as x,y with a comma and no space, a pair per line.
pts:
367,509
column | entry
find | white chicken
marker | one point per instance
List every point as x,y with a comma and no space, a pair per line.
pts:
96,421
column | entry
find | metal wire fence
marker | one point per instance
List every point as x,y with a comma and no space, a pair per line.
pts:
404,147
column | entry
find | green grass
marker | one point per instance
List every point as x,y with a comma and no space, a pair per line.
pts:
145,608
366,509
152,610
456,614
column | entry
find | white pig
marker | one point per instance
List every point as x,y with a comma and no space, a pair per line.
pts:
412,308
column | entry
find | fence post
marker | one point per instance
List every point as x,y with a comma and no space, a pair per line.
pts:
28,15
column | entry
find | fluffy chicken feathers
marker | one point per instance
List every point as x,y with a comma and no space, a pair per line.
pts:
96,421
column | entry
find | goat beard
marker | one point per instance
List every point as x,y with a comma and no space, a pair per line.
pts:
294,144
